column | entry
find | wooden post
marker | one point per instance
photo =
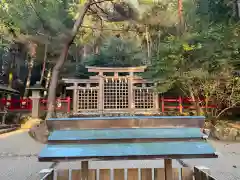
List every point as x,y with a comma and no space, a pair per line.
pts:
101,93
84,170
68,104
162,99
88,91
130,93
156,99
75,98
168,169
180,105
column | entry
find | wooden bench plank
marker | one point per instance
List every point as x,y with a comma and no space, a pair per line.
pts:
124,117
126,122
125,135
172,150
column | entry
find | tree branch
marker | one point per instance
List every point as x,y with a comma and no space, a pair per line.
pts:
79,21
226,109
107,29
98,2
101,20
101,9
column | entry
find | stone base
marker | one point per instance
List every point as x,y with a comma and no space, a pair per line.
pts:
30,123
39,132
225,132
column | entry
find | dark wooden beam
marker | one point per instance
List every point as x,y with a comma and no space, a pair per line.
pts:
126,122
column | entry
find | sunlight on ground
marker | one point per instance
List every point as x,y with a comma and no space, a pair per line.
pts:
13,133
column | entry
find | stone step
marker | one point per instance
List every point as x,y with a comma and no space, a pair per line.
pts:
2,131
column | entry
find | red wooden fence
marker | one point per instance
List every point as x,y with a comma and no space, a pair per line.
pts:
17,104
180,104
64,104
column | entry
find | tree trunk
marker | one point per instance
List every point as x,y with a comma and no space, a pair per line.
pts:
1,69
28,82
44,63
147,39
195,102
47,81
61,60
180,16
54,81
32,52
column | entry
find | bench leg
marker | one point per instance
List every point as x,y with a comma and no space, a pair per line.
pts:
84,170
168,169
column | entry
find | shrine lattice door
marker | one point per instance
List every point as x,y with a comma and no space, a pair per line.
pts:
115,94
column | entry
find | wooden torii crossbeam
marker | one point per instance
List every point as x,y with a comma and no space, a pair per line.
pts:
126,138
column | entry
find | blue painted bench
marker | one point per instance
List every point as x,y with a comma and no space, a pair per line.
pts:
153,137
125,135
130,151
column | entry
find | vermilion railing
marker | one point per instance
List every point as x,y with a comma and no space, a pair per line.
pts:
63,104
181,104
17,104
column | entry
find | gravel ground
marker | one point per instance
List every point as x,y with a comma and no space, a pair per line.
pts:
227,166
18,157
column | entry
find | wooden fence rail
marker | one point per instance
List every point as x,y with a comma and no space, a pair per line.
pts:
127,174
119,174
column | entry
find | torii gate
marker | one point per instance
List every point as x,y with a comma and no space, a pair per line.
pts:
113,90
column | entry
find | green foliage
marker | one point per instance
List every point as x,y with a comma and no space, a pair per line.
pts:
36,16
209,51
116,52
200,62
